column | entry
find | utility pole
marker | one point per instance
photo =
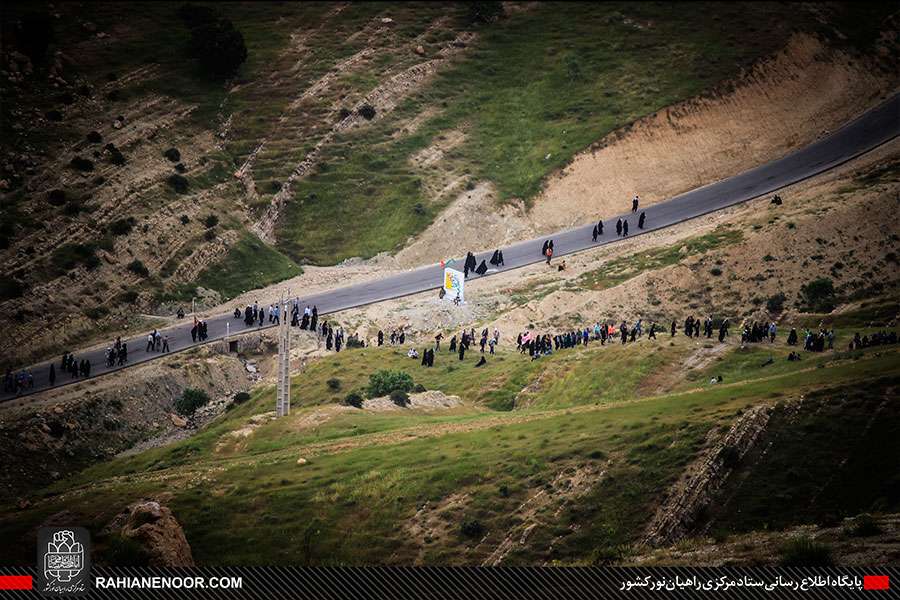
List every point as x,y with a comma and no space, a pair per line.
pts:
283,393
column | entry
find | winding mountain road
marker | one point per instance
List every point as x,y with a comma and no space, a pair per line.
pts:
872,129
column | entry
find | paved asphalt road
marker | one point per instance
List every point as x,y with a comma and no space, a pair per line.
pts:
876,127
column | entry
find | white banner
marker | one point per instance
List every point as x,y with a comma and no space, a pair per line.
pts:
454,285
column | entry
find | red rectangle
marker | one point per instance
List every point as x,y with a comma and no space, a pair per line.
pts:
876,582
15,582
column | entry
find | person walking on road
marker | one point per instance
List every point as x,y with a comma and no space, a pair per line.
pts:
641,220
150,340
625,228
165,346
619,227
634,203
52,374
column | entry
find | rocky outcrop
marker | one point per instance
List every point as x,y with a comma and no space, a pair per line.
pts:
700,482
156,529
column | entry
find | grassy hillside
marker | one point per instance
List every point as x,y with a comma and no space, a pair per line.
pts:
536,88
448,486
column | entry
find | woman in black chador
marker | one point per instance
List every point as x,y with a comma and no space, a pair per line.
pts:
482,268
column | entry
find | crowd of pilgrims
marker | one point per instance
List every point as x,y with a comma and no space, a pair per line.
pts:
307,319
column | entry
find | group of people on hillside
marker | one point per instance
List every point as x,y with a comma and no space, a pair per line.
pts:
813,341
397,337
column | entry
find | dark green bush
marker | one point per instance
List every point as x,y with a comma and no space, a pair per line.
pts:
94,137
400,398
122,226
177,182
334,384
191,399
129,296
82,164
863,526
216,45
211,221
818,296
471,528
367,112
173,155
241,397
354,399
96,312
56,197
775,303
138,268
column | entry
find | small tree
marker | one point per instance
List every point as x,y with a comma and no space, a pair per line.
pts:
217,46
211,221
382,383
818,295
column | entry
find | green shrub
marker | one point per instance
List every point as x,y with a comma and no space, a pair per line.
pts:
354,399
211,221
185,219
400,398
715,271
177,182
69,256
241,397
217,46
56,197
471,528
382,383
818,296
122,226
96,312
863,526
137,267
804,552
191,399
129,296
367,112
419,388
173,155
81,164
334,384
775,303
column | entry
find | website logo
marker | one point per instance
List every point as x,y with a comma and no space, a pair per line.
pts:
64,561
